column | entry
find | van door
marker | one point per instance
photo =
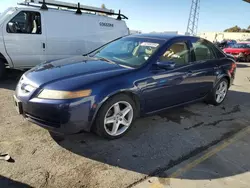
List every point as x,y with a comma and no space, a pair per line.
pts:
25,40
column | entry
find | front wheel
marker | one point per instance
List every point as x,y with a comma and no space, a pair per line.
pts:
115,117
2,69
248,58
219,92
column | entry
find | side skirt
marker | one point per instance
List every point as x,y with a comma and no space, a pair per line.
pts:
174,106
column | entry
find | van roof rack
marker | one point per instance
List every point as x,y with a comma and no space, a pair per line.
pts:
73,6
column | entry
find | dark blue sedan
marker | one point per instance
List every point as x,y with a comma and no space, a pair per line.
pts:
106,90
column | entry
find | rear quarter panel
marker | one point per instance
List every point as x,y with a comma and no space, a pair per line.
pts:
78,34
225,65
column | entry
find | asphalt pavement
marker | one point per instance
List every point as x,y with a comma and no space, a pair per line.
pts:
229,158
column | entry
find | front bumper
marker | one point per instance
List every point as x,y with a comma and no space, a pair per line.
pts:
60,116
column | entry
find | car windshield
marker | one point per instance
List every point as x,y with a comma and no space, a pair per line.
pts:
230,45
129,51
6,13
239,45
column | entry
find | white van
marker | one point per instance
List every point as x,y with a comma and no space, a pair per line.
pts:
31,33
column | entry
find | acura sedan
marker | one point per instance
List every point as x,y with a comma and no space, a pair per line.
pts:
105,90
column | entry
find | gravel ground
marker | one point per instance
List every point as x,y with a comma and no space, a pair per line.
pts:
154,143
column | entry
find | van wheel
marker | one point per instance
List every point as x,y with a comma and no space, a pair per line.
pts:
115,117
219,93
2,69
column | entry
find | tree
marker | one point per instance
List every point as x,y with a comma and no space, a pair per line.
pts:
233,29
103,6
245,31
238,29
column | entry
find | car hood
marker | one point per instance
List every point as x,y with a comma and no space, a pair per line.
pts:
82,68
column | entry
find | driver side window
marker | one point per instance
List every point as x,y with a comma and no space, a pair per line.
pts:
178,53
26,22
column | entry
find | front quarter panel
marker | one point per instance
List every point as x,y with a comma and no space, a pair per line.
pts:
103,90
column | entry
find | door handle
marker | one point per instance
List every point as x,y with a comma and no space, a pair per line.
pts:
44,45
216,67
189,73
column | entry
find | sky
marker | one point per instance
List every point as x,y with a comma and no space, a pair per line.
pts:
171,15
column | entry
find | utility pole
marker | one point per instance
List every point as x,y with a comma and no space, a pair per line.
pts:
193,19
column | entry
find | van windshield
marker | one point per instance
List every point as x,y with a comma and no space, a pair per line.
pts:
6,14
129,51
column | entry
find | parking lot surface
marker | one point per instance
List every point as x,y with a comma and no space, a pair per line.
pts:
230,159
153,145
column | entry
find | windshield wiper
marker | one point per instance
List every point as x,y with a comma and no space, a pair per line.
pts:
105,59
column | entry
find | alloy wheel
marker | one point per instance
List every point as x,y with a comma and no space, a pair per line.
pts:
221,91
118,118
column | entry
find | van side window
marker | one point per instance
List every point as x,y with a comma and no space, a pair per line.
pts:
25,22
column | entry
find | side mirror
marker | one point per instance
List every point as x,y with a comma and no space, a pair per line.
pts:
12,27
169,65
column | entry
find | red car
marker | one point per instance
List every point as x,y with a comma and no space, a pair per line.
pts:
240,51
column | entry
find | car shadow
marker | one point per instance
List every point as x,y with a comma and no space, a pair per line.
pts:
11,78
6,182
157,143
243,65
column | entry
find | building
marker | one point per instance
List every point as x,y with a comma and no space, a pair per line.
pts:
219,36
135,32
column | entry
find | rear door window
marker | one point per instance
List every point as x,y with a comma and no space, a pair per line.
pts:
203,50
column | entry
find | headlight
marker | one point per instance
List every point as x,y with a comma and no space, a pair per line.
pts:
29,88
56,94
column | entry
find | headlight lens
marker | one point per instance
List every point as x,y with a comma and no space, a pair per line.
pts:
56,94
29,88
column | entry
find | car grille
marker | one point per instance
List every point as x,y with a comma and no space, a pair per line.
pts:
49,123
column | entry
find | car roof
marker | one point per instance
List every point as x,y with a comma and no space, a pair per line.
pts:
161,36
244,42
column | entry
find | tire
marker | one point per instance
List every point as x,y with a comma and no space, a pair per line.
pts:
243,59
2,69
212,97
248,58
110,114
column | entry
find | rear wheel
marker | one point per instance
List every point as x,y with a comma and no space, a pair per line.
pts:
218,94
115,117
2,69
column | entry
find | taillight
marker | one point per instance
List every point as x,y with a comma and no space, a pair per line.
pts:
233,67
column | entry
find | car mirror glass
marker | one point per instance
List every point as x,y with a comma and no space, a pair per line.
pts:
12,27
168,65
